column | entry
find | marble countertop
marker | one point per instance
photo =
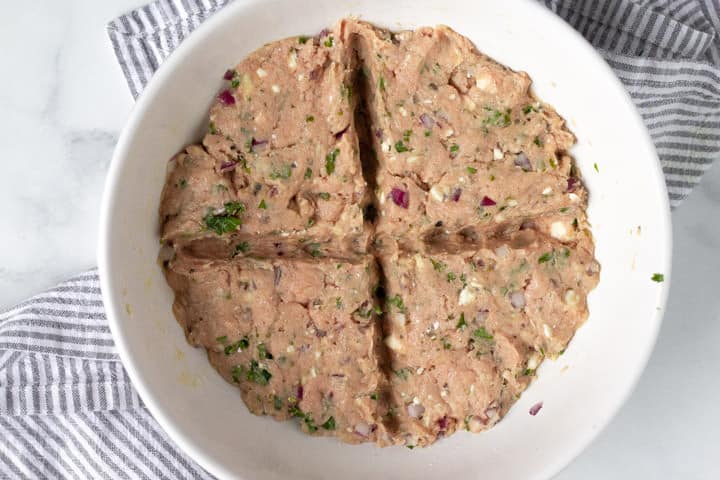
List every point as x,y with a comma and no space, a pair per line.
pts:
64,101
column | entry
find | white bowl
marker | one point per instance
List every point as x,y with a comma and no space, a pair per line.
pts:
581,391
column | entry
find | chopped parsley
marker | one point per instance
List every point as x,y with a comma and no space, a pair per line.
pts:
302,39
263,353
529,372
451,277
402,373
396,302
346,91
183,183
529,108
242,247
314,250
428,133
381,84
329,42
324,195
446,344
212,128
406,135
238,346
308,173
482,334
330,161
437,265
257,374
657,277
227,221
461,323
471,170
374,396
329,424
338,303
309,118
454,148
284,172
277,402
262,205
222,339
546,257
400,147
538,142
498,118
595,166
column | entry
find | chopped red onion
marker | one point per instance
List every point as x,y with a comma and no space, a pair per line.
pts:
339,134
536,408
227,166
572,184
517,299
229,74
324,32
443,423
362,429
487,202
400,197
300,391
258,144
379,134
523,162
273,191
415,410
427,121
456,194
226,98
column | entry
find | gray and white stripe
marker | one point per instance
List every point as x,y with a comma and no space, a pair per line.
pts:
67,407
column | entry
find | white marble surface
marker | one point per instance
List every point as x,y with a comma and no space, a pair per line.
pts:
63,102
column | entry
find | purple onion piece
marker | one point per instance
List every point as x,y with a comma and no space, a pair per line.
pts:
229,74
273,191
227,166
362,429
277,272
481,316
415,410
226,98
572,184
324,33
258,144
299,392
379,134
523,162
339,134
487,202
456,194
400,197
427,121
535,408
517,299
443,423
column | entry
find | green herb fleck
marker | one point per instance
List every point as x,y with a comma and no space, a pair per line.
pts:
482,333
227,221
242,247
451,277
262,205
595,166
346,91
471,170
381,84
564,209
553,162
314,250
374,396
428,133
546,257
324,195
498,118
410,446
329,42
400,147
658,277
538,142
263,353
309,118
396,302
212,128
285,172
277,402
330,161
406,135
308,173
329,424
437,265
446,344
338,303
461,323
183,183
402,373
529,108
258,374
303,39
529,372
222,339
454,148
238,346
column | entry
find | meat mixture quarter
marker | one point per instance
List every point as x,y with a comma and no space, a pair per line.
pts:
382,235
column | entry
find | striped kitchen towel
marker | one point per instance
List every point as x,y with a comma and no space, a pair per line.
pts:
67,407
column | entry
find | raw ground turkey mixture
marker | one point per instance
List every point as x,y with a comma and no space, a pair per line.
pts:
381,235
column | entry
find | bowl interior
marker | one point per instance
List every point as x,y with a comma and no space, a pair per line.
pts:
580,391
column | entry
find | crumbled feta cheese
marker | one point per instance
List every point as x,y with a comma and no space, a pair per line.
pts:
292,59
466,296
573,197
572,298
290,349
393,343
485,82
547,191
400,319
436,194
512,203
386,146
275,89
452,96
497,154
559,230
469,104
261,73
403,112
301,77
547,331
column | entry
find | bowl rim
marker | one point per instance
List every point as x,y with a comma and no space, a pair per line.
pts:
113,308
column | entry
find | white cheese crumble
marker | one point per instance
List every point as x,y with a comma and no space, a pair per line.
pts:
572,298
497,154
393,343
292,59
403,112
275,89
512,203
573,197
436,194
261,73
466,296
559,230
547,331
547,191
